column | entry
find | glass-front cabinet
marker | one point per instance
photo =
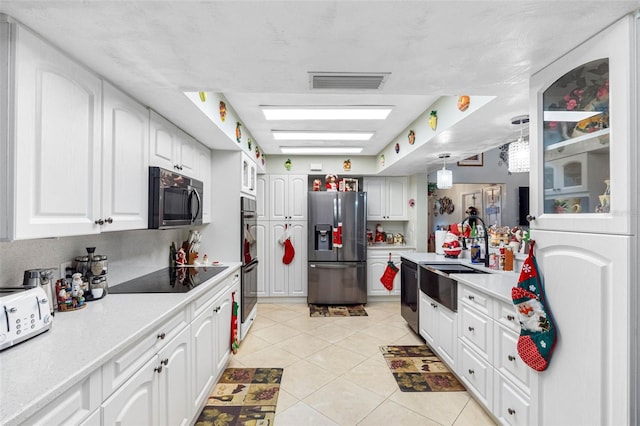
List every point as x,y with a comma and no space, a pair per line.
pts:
580,133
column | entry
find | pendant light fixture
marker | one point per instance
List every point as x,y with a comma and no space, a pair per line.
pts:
444,176
519,149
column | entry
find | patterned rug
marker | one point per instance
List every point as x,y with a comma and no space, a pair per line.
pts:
243,396
417,369
337,311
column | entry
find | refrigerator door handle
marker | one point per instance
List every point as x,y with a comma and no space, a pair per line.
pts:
339,209
335,213
319,266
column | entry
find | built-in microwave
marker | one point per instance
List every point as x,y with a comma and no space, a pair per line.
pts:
174,199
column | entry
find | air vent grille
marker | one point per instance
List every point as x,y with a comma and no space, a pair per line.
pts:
347,81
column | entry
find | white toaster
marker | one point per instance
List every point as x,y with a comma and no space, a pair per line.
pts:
24,313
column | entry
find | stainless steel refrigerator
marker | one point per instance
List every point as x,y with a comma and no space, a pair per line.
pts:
337,272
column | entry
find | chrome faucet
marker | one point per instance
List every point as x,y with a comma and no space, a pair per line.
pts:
486,237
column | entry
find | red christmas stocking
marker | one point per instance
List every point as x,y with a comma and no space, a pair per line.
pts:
289,252
538,332
389,275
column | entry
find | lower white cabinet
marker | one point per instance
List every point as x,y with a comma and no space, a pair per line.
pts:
159,393
438,328
377,260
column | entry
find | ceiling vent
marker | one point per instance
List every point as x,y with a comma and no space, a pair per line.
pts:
347,80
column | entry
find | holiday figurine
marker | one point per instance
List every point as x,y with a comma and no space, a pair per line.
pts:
380,235
331,182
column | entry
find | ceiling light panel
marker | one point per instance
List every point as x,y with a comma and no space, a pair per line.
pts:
326,113
284,135
323,150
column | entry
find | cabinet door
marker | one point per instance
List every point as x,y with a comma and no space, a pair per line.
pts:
261,231
56,142
397,199
376,265
125,162
248,175
136,401
175,398
428,319
163,139
203,173
278,201
262,197
447,335
297,193
376,198
185,154
279,275
297,275
582,106
222,326
203,342
596,267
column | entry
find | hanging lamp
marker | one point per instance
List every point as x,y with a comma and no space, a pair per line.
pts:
444,176
519,149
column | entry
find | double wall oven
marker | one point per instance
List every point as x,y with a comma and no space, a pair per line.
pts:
249,280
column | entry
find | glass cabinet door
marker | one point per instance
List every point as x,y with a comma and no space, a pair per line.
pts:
581,131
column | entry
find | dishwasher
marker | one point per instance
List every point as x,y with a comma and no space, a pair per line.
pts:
409,293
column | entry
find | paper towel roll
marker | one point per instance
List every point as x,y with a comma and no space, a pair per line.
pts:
440,236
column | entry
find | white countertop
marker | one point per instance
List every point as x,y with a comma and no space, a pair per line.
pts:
385,246
496,283
42,368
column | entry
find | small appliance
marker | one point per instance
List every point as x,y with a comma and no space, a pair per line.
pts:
31,278
24,313
174,200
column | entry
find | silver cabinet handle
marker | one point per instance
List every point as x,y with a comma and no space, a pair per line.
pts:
530,218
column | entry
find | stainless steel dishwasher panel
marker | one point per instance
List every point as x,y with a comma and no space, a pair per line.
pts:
337,282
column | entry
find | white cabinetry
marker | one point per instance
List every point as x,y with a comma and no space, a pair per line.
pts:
438,328
52,157
249,175
125,162
291,279
264,253
377,260
387,198
489,364
171,148
288,197
211,341
203,163
262,197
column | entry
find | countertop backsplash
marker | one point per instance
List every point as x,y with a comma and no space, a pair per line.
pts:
131,253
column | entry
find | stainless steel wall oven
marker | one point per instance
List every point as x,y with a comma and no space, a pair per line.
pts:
249,279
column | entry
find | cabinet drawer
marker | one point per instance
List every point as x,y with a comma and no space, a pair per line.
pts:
74,406
477,299
512,407
476,331
505,314
476,374
507,361
116,371
202,303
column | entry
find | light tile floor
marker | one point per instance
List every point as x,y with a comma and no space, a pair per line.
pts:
334,372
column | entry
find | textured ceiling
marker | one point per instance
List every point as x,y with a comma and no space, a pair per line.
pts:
260,53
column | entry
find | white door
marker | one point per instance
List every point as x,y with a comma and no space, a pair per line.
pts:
279,276
125,162
586,281
376,198
262,197
162,138
397,200
57,142
222,326
298,189
298,267
278,201
261,232
203,347
175,399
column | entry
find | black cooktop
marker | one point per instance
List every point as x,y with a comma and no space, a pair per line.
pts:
168,280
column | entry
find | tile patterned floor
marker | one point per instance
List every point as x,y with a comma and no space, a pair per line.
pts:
334,373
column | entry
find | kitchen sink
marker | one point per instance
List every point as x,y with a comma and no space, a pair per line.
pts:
453,268
435,282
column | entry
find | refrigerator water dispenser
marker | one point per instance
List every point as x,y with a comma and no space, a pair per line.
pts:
323,239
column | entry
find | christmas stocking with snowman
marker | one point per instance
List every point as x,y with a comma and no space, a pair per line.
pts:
538,332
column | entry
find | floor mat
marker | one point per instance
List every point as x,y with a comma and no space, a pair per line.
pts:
243,396
418,369
337,311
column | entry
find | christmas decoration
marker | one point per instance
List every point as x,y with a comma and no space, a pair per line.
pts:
537,330
203,96
389,274
223,111
433,120
331,182
289,251
238,131
346,165
287,164
412,137
397,148
235,343
463,102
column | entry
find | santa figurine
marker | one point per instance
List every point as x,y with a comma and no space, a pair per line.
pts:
380,235
331,182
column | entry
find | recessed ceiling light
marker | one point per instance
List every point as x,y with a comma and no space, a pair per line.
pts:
286,135
570,116
326,150
325,112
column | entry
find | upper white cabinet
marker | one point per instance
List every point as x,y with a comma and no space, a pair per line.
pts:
203,173
53,173
581,133
288,197
249,175
125,162
262,197
387,198
171,148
